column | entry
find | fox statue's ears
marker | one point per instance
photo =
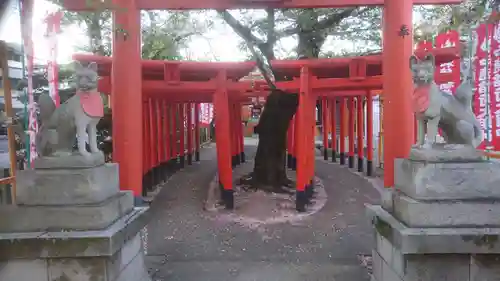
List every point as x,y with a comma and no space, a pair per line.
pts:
428,58
79,66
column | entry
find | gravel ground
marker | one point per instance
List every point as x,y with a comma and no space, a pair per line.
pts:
184,243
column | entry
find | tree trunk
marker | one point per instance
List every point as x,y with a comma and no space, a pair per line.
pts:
269,170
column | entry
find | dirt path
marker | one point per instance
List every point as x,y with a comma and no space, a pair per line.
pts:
183,244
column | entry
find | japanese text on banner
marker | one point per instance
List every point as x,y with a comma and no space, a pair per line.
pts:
495,87
483,74
446,40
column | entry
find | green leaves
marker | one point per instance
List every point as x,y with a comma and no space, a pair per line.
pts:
166,34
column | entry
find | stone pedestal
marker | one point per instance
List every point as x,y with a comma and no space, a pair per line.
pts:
441,221
72,224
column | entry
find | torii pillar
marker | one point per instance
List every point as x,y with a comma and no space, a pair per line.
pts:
126,98
397,83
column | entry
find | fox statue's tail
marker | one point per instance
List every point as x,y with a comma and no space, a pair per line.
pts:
464,95
47,108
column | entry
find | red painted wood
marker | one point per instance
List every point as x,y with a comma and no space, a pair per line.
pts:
166,125
240,129
324,121
145,134
302,130
360,125
159,129
223,131
233,130
182,130
190,128
333,123
296,134
289,137
369,126
342,127
398,84
174,112
352,116
197,127
204,71
311,126
126,103
152,135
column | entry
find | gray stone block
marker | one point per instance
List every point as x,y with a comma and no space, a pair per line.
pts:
134,271
384,248
485,268
58,244
113,254
119,261
388,274
81,269
61,218
446,153
75,161
107,242
24,270
442,213
433,240
377,265
431,181
390,254
437,267
67,186
386,199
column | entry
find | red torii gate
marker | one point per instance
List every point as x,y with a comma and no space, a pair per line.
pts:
190,82
126,74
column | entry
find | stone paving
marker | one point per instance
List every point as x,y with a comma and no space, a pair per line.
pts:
185,244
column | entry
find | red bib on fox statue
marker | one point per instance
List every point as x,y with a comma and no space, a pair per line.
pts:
420,98
91,103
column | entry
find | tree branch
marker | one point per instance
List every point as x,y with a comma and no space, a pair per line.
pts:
243,31
328,22
253,44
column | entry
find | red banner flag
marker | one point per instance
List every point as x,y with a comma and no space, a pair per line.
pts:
53,28
495,87
483,71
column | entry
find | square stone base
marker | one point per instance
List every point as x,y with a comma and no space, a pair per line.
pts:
432,254
446,213
65,218
67,186
114,254
424,180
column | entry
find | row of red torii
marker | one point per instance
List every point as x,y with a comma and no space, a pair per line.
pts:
172,88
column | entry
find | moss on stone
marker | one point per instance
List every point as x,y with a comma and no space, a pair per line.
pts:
383,228
482,240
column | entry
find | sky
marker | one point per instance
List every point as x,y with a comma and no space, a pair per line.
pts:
221,43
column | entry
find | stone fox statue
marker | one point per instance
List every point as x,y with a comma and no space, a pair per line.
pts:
436,109
76,117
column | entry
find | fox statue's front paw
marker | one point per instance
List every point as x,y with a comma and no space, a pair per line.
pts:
97,153
427,145
86,154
